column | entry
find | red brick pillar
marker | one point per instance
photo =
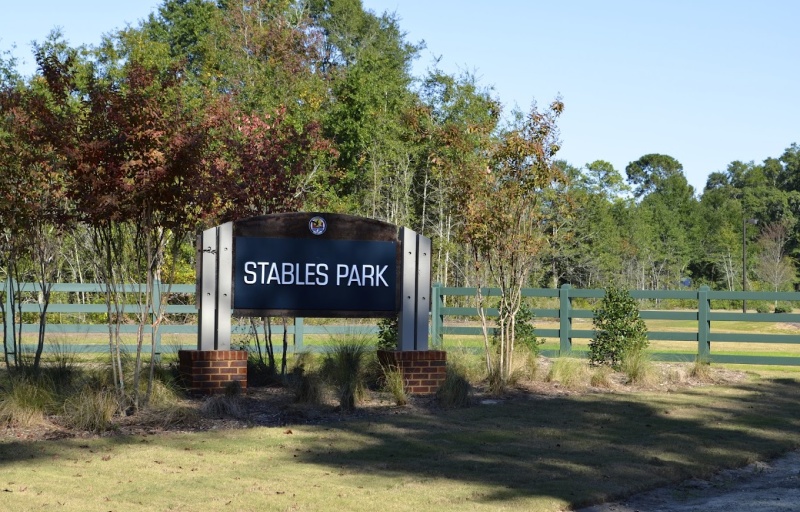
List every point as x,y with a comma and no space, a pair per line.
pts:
208,372
423,371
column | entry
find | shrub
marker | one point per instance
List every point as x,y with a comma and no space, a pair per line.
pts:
166,416
455,390
308,388
618,329
62,368
783,307
259,373
91,410
471,366
26,402
762,307
524,331
387,333
221,406
344,367
162,394
701,370
570,372
495,381
393,383
638,367
526,365
601,377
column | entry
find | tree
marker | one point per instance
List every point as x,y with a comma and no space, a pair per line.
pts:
504,219
773,266
651,172
588,254
132,159
455,126
669,203
36,209
368,61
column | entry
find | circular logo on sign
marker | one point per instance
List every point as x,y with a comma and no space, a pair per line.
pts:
317,225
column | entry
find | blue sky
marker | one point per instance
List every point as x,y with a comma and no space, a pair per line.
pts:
707,82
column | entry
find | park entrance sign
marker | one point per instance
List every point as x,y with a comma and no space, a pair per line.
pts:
313,265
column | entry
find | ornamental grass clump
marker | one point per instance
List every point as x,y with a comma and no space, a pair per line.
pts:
619,332
638,367
26,402
456,390
91,409
393,382
570,372
602,377
344,366
701,370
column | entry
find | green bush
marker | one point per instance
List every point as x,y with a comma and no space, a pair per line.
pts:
783,307
524,331
762,307
618,329
387,333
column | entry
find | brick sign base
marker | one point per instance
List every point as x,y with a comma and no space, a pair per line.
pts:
423,371
209,372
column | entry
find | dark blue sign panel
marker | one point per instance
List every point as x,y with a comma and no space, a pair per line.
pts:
314,274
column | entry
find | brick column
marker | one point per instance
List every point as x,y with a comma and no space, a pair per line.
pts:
423,371
208,372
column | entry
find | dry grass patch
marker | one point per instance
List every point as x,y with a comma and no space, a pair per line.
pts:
569,372
91,410
602,377
701,371
25,403
639,368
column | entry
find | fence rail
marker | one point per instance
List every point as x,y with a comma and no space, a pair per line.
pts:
702,337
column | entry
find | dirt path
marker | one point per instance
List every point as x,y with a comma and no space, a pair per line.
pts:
772,486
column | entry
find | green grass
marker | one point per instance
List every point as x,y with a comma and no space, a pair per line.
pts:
524,454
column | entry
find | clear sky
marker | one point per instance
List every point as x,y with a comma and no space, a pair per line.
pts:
706,82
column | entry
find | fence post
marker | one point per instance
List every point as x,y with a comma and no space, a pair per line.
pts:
155,318
565,316
9,316
436,316
298,335
703,325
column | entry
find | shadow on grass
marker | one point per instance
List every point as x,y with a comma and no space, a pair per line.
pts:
579,449
567,451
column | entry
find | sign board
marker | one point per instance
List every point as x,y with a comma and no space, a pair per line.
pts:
314,277
313,265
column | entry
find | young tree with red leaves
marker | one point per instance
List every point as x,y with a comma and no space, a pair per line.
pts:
139,150
36,210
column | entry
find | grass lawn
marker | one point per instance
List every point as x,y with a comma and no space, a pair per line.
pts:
529,452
